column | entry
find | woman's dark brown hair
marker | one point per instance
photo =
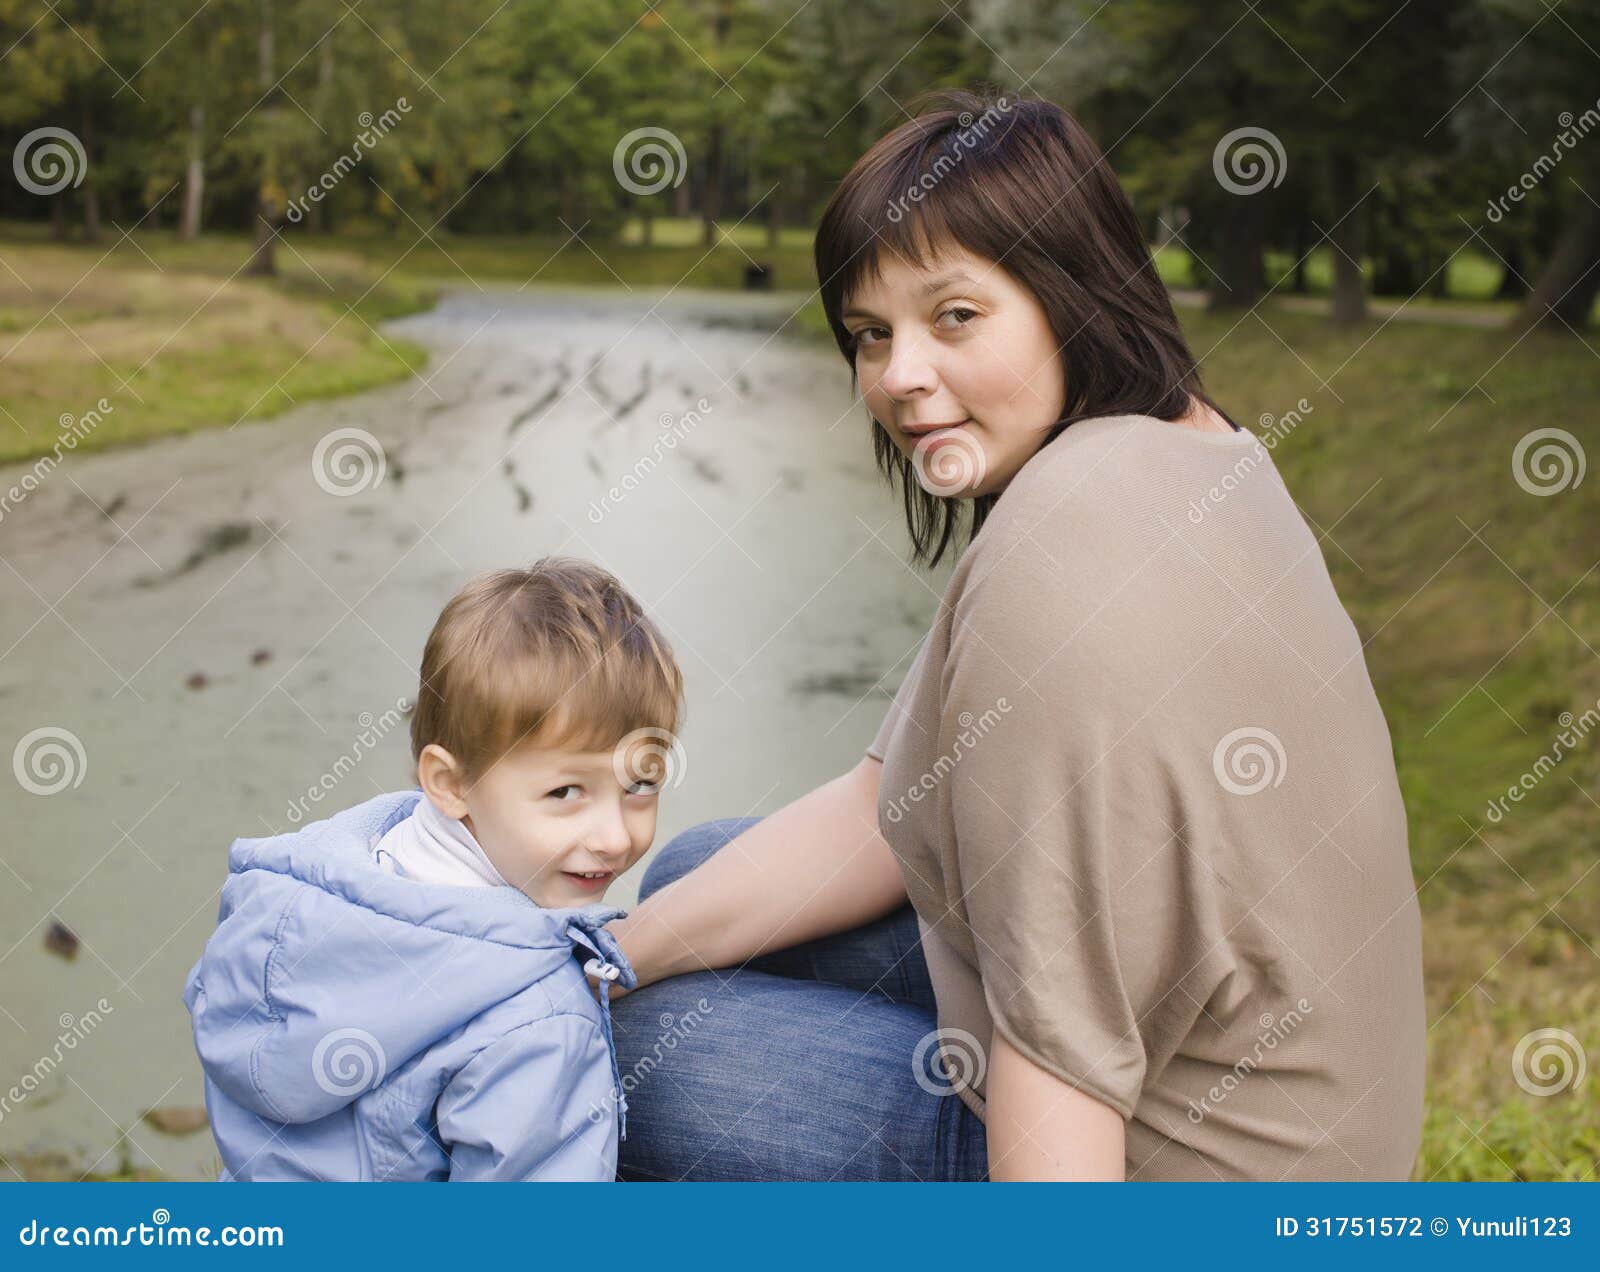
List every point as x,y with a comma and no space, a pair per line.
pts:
1018,182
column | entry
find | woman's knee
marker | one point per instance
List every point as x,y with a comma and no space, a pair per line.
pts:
688,849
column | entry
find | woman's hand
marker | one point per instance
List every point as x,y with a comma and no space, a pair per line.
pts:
1041,1128
813,868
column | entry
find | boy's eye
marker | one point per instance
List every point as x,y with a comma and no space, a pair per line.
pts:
564,792
644,788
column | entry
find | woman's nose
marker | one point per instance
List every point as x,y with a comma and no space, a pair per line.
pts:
910,370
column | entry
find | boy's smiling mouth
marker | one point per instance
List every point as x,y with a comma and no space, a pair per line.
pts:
589,880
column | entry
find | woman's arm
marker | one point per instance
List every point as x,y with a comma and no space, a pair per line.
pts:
814,867
1039,1127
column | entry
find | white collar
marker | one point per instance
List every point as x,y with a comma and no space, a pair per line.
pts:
432,848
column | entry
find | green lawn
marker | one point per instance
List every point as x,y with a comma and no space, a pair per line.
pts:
172,338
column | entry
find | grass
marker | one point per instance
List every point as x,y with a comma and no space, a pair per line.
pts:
676,259
170,338
1475,597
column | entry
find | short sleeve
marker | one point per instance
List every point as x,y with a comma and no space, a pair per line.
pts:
1079,907
879,747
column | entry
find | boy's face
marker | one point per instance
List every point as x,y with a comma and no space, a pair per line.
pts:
561,825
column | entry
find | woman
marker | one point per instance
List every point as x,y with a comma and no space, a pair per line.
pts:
1136,787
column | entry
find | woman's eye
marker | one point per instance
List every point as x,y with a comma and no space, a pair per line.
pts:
869,336
564,792
968,315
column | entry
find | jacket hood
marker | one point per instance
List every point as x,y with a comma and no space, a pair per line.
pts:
326,971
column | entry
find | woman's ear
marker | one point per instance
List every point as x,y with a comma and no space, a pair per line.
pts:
442,780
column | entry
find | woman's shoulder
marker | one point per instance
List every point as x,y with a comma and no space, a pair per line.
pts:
1076,474
1083,489
1108,484
1106,510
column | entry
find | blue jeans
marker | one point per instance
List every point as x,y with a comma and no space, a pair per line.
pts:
810,1063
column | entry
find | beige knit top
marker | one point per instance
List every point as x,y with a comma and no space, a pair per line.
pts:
1145,803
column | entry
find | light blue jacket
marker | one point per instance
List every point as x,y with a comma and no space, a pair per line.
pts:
358,1025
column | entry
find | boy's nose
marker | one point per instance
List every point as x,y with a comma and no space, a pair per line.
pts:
610,840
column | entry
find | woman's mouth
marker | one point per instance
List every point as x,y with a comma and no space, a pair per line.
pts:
589,880
922,430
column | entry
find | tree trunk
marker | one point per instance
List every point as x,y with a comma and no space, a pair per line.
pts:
58,216
91,185
264,259
1237,281
319,219
1298,284
1349,291
194,177
1565,291
1513,279
774,220
647,228
1439,277
711,196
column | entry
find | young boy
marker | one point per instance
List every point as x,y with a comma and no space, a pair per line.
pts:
395,993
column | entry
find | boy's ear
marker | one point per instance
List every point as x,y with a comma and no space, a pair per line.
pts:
442,780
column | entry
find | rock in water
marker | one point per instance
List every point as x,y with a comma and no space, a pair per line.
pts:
60,939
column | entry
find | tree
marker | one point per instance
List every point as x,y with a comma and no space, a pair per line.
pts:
1532,65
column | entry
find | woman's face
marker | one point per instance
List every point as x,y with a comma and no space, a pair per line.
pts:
959,364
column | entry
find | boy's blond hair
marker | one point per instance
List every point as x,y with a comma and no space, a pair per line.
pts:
559,654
